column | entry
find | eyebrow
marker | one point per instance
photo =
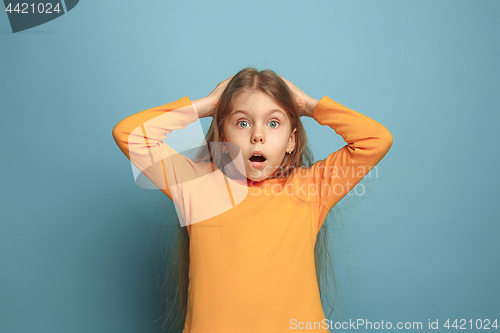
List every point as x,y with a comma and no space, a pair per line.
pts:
268,112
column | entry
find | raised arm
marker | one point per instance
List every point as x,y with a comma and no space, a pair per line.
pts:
367,143
139,137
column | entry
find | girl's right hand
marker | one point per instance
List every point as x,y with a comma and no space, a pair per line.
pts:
206,105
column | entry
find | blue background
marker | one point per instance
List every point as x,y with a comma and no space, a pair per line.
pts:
79,243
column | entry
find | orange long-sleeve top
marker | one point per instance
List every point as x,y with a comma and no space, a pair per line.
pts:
252,265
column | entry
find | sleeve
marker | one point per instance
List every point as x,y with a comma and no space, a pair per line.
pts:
367,143
187,183
140,136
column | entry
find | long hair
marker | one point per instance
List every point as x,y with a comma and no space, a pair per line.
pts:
176,281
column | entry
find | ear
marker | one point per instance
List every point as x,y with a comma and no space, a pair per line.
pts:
224,146
291,141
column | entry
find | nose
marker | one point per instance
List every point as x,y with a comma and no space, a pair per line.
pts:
258,136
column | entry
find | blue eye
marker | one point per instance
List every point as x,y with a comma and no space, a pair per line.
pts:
243,121
274,121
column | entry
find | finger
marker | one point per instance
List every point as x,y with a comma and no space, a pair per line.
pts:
290,84
225,82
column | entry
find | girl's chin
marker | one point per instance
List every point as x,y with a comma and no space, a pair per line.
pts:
255,179
256,175
251,175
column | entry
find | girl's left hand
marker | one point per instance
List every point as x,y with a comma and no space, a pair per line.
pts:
305,103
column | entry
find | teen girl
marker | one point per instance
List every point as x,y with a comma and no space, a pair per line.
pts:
251,203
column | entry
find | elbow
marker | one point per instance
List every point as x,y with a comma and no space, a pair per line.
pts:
388,139
118,133
115,132
385,141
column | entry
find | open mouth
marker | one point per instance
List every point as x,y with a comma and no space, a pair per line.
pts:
257,158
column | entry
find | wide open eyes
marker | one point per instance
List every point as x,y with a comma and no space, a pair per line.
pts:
275,122
245,124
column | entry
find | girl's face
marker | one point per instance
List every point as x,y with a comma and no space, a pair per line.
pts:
258,123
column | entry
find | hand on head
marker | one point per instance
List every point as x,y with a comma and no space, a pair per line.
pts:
206,106
215,95
301,97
